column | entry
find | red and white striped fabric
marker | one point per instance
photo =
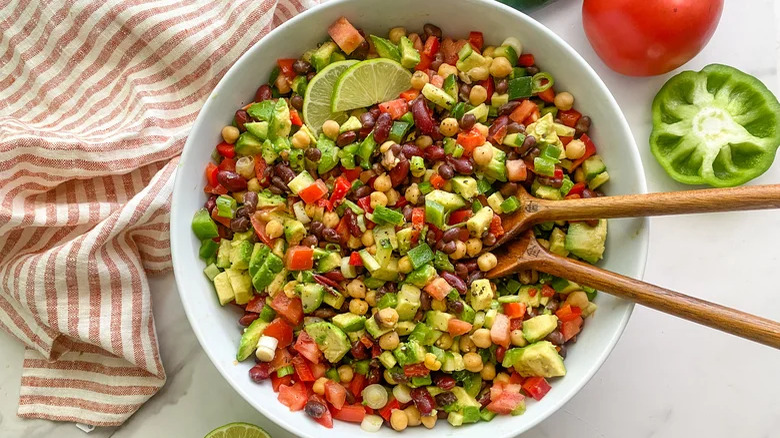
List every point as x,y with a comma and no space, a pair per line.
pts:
96,100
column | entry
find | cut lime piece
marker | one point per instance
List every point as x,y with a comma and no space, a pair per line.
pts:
370,82
238,430
316,102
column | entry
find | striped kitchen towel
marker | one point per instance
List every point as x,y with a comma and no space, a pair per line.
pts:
96,101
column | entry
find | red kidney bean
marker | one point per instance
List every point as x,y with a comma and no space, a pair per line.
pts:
407,212
224,232
210,203
433,153
241,118
395,148
446,171
422,119
423,400
532,70
354,229
248,318
500,122
240,224
476,275
447,248
443,381
260,372
363,191
250,201
382,127
431,30
507,108
425,302
374,376
409,150
463,234
359,351
284,172
502,85
231,180
553,182
582,126
483,398
461,271
438,60
515,127
454,281
331,235
588,193
471,265
562,351
399,172
263,93
461,165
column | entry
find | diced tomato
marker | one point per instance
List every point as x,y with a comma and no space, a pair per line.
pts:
340,189
577,189
476,40
438,288
437,81
516,170
506,402
459,216
325,420
355,260
388,409
211,174
400,202
449,51
281,330
256,304
396,108
259,227
535,114
514,310
227,164
569,117
515,324
215,190
536,387
295,119
437,181
343,229
281,359
456,327
302,369
290,309
526,60
260,166
318,369
590,150
496,228
431,46
351,174
523,111
499,331
547,291
425,62
569,329
351,413
568,313
565,140
416,370
286,67
357,384
470,139
223,220
418,218
410,94
306,346
489,86
335,393
314,192
299,258
558,173
227,150
345,35
547,95
516,378
294,397
278,382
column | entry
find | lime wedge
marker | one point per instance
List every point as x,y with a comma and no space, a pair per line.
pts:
238,430
316,102
369,82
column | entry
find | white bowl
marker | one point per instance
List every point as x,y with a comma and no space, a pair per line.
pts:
217,328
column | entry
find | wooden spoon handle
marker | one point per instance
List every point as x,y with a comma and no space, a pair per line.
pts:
713,315
657,204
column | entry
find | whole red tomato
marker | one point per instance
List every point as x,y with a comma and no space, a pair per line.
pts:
649,37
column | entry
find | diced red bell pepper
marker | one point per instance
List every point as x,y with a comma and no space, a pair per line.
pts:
459,216
227,164
326,419
295,118
534,116
365,203
355,260
388,409
351,413
294,397
536,387
351,174
496,228
340,189
456,327
227,150
260,166
357,384
306,346
565,140
569,329
515,324
223,220
425,62
526,60
416,370
489,86
532,292
343,229
313,192
410,94
547,291
335,394
568,313
547,95
500,352
590,150
470,139
302,369
476,40
255,305
318,369
516,379
523,111
437,181
215,190
281,330
286,68
299,258
514,310
569,117
278,382
431,46
211,174
396,108
577,189
290,308
418,218
400,202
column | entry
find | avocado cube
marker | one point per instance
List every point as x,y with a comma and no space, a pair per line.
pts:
294,231
479,223
241,284
223,253
496,168
328,263
211,271
494,201
438,96
259,253
408,302
593,166
248,144
258,129
263,277
438,319
582,240
373,328
249,339
241,254
349,322
387,359
558,242
280,125
537,359
321,57
598,180
385,48
480,112
421,276
465,186
387,273
331,340
536,328
424,334
409,353
404,240
409,56
333,298
268,199
450,201
224,288
311,296
387,300
470,414
404,328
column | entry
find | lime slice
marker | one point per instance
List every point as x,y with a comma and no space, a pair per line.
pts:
316,102
369,82
238,430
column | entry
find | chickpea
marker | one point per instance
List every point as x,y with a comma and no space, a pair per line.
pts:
386,146
371,298
473,247
378,198
412,194
319,385
473,362
274,229
479,73
488,371
489,51
487,261
354,242
356,288
398,420
358,307
331,129
466,345
429,421
578,299
500,67
439,305
282,84
396,33
382,183
367,238
575,149
372,249
444,342
389,341
448,127
517,338
564,101
478,95
579,174
446,70
239,197
483,154
253,185
460,250
387,317
330,219
483,130
481,338
301,140
392,196
419,79
230,134
412,415
346,374
423,141
405,265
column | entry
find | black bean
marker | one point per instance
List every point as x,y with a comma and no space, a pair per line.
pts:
210,203
316,228
367,120
502,85
515,127
382,127
476,275
508,189
297,102
507,108
263,93
532,70
582,126
588,193
425,302
284,172
241,118
449,248
231,180
276,190
562,351
450,235
315,409
363,191
358,351
440,245
313,154
445,398
240,224
346,138
464,91
455,306
309,240
250,201
468,121
489,240
407,212
556,337
446,171
552,182
528,144
310,75
430,238
301,67
325,312
279,183
432,30
331,235
461,271
552,305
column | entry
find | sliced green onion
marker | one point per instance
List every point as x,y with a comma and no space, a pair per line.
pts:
285,371
374,396
537,82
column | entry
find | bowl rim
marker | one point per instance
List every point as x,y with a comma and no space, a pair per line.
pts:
622,124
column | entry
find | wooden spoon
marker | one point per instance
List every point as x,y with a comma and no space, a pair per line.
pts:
525,253
534,210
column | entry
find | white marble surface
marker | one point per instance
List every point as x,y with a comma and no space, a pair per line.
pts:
666,377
